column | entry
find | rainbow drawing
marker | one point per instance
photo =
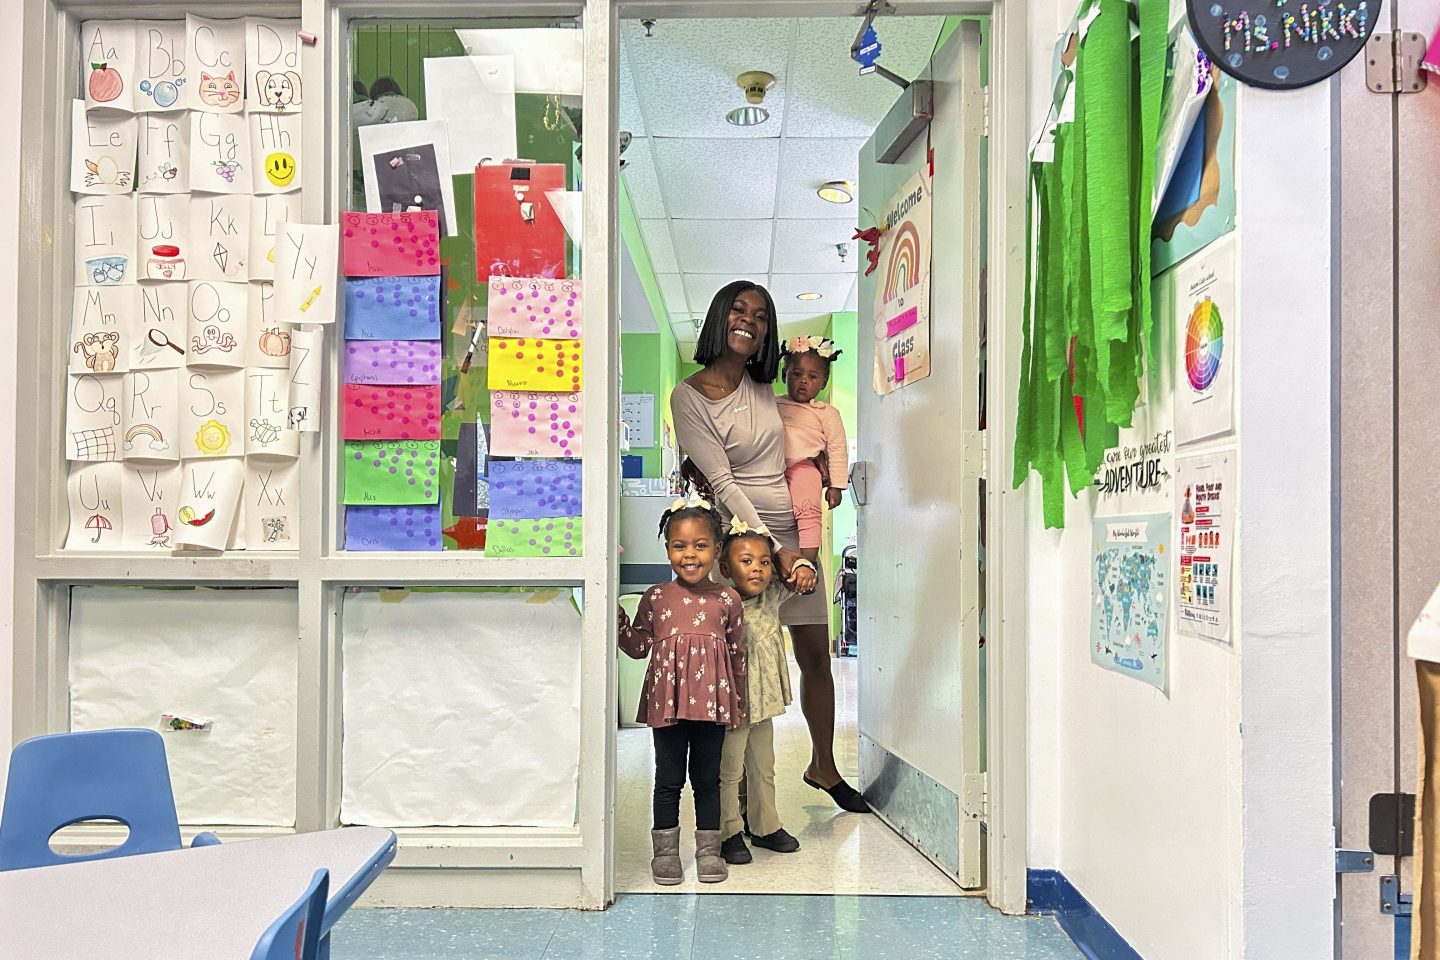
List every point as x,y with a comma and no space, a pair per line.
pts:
1204,343
903,271
143,431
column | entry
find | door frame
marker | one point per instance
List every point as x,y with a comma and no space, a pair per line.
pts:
1006,529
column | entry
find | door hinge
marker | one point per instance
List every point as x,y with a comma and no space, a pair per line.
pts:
1393,903
975,797
985,99
1392,62
1354,861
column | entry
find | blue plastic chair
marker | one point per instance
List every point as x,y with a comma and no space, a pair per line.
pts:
67,778
296,935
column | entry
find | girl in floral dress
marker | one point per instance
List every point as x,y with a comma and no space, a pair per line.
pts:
694,687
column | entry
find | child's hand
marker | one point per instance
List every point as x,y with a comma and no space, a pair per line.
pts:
833,496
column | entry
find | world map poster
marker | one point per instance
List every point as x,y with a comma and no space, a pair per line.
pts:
1130,596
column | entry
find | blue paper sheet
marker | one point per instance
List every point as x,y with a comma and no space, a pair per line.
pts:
393,528
392,308
530,489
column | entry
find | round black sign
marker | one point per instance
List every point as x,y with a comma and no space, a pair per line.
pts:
1281,44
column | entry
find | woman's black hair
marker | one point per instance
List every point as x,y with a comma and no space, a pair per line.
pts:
762,367
696,512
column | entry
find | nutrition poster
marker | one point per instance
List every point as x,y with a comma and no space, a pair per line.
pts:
1207,491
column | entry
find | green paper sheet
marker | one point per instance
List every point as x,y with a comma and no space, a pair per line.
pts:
392,471
549,537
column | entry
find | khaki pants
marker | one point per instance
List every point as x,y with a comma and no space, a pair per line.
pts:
1425,922
749,750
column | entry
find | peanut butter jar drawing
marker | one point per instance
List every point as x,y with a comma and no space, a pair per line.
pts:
165,263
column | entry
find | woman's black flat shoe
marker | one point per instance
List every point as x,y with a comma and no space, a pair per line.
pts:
845,796
780,842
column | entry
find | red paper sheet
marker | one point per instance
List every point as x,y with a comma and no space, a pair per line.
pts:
391,413
517,232
390,244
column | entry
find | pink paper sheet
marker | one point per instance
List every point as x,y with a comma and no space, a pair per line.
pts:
533,424
390,244
534,307
391,413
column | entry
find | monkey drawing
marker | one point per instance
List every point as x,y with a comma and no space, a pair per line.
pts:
100,350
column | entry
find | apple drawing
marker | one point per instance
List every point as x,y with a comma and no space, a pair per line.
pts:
105,84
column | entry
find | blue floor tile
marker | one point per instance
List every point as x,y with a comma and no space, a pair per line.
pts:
635,928
426,934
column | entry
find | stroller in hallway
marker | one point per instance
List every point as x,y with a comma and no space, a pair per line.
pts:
846,643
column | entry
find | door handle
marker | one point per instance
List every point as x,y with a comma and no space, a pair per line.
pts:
860,482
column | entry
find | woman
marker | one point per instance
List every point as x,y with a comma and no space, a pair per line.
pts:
728,425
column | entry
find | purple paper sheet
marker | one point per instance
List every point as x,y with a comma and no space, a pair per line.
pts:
392,528
530,489
392,362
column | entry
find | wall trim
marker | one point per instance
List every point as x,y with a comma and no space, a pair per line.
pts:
1050,893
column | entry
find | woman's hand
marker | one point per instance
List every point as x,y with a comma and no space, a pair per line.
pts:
801,580
833,496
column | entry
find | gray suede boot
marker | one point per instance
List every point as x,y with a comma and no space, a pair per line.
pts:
665,864
709,865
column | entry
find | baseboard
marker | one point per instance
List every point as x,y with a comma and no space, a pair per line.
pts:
1050,893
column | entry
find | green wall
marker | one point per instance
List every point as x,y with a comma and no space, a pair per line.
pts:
844,395
648,361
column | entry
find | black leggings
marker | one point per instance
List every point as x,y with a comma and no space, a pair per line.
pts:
703,741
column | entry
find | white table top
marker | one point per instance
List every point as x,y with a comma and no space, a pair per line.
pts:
201,903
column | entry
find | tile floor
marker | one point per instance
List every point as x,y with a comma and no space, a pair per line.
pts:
717,927
840,853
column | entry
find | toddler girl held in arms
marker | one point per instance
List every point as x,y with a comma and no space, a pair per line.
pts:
816,459
691,627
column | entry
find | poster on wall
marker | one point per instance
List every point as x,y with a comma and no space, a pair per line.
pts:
1207,491
902,292
1204,323
1130,596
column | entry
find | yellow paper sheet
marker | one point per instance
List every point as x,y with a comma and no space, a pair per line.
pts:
528,364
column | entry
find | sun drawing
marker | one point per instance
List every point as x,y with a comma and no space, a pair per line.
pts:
213,438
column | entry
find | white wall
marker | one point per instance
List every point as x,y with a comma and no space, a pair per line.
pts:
1192,839
10,54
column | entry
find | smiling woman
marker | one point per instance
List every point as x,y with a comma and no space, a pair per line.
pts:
728,424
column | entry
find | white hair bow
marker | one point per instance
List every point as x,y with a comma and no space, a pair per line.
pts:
738,526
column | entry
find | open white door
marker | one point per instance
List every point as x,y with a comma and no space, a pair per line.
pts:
918,478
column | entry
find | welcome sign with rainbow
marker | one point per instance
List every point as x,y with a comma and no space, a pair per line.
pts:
902,297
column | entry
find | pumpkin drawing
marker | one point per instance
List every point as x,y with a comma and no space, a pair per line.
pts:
273,343
105,84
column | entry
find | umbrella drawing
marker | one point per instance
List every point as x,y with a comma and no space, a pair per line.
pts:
99,524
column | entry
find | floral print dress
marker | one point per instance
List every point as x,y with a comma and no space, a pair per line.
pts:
696,640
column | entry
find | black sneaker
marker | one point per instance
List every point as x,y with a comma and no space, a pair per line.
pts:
735,851
779,841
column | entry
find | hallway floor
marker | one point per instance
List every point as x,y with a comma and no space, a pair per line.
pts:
710,928
840,853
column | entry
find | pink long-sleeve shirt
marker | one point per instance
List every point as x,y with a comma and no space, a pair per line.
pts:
809,429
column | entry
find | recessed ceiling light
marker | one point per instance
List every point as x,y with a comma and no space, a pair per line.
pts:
836,191
748,116
808,296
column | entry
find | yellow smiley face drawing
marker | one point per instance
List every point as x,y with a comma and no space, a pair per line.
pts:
280,169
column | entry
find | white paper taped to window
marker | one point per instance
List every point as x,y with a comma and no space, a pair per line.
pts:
460,709
228,656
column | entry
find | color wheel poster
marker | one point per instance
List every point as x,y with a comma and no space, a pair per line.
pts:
1130,596
1205,321
1207,515
902,293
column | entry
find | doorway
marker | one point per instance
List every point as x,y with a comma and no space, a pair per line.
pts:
714,200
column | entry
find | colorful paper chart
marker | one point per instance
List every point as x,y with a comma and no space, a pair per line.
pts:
532,424
390,244
534,307
528,364
1204,343
543,537
530,489
391,412
392,308
392,361
393,528
392,471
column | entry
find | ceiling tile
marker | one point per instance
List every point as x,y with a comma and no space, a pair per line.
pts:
672,292
657,243
853,298
808,246
685,73
640,180
738,247
834,287
700,288
807,163
631,117
828,97
718,179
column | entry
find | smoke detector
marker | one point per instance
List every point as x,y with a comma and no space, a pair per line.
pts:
755,83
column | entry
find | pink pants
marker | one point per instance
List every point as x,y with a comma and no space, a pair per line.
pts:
806,488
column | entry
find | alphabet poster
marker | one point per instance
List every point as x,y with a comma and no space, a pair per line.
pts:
1130,595
163,241
272,66
160,339
220,153
307,270
271,497
216,79
96,509
159,64
266,215
267,405
92,416
164,164
268,340
152,415
305,346
216,321
102,151
107,55
212,411
275,152
1205,314
103,326
149,497
1208,495
219,237
104,241
209,502
902,292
